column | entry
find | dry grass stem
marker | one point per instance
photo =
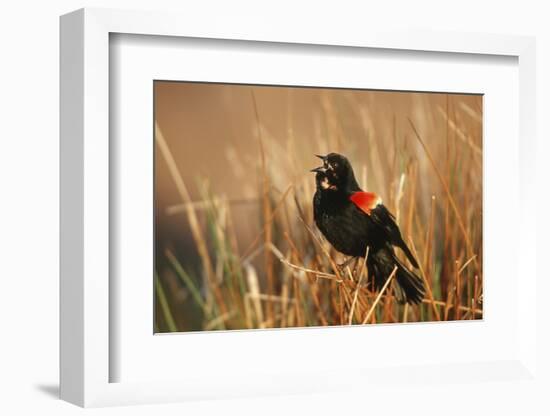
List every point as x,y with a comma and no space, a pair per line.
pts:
373,306
426,283
449,194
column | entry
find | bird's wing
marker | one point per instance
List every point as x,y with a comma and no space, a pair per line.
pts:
365,201
385,220
371,204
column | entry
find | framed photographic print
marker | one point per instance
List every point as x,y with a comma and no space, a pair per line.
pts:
236,208
233,169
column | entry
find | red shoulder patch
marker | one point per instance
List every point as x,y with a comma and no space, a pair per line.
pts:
366,201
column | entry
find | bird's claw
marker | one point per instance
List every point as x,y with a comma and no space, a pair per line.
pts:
342,267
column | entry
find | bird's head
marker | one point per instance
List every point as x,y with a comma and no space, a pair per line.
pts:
336,173
321,180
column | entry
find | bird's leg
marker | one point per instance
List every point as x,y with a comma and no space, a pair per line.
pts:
346,263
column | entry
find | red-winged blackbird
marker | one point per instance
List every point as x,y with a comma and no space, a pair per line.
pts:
352,220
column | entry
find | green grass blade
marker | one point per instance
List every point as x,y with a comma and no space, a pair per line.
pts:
187,281
164,306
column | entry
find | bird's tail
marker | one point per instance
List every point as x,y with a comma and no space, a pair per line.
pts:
410,287
408,253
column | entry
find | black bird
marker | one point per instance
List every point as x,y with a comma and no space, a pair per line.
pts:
352,220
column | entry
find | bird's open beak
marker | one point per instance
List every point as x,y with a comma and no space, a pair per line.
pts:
321,169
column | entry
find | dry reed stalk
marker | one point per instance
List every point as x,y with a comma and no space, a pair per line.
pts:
476,289
447,233
271,298
352,310
256,240
468,280
361,274
219,209
412,198
457,295
292,245
248,312
283,260
348,299
198,236
405,312
254,293
363,298
476,115
393,166
231,232
220,320
448,304
313,286
315,296
285,295
341,304
428,286
266,207
333,301
448,192
428,242
279,300
291,317
234,266
466,263
387,315
399,196
203,204
461,135
386,284
287,226
298,310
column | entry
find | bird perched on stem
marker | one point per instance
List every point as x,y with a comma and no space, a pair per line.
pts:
352,220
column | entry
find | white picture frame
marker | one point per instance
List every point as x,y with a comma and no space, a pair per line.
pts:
86,356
